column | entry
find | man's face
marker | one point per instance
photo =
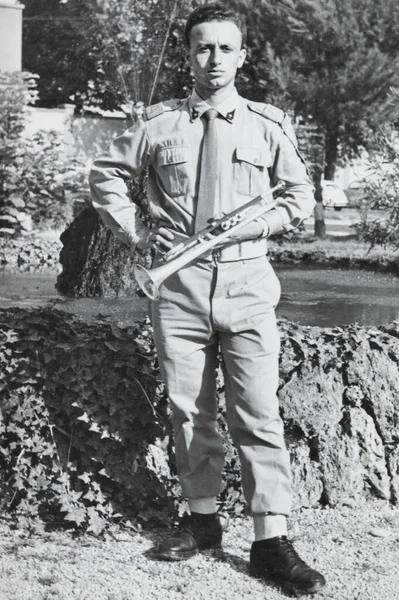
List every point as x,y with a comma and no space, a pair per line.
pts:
215,55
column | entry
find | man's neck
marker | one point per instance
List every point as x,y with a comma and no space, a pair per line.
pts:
216,97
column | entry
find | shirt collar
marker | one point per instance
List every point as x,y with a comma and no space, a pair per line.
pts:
226,109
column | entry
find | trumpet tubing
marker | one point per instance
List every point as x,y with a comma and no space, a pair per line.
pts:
149,280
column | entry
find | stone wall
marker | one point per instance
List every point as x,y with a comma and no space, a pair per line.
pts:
339,397
339,391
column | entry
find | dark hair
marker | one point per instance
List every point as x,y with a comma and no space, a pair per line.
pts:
213,12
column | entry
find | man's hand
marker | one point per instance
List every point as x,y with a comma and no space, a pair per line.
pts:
252,231
159,239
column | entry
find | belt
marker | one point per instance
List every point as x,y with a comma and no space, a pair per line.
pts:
242,250
238,251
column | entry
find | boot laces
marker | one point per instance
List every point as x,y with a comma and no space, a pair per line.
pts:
183,525
291,554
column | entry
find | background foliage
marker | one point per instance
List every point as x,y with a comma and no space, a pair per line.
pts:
115,48
381,190
37,175
332,62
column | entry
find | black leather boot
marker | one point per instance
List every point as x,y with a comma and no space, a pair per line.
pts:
276,560
196,532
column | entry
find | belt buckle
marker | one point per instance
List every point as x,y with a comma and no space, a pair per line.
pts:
216,253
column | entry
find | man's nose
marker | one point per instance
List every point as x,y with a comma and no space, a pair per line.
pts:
216,56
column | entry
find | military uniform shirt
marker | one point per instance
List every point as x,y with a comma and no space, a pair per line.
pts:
256,149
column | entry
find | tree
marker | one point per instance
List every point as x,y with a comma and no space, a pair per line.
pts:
333,62
59,44
344,73
104,52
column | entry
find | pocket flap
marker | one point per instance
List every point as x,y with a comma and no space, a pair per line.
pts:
253,156
172,155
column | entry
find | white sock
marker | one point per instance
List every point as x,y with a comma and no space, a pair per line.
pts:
204,506
268,526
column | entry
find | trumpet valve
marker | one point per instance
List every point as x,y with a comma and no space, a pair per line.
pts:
229,223
226,224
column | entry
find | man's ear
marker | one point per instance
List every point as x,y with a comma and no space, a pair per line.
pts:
242,57
187,58
187,61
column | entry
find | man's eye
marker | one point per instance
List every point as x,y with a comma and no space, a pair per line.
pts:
226,49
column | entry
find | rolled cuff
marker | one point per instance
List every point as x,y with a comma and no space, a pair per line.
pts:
126,234
274,223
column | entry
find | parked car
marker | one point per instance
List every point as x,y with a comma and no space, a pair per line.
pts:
333,195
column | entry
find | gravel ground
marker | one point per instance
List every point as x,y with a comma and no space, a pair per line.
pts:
355,547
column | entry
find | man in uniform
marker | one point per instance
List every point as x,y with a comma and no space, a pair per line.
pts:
206,156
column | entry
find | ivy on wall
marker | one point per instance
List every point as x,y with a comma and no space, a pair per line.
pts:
85,436
80,406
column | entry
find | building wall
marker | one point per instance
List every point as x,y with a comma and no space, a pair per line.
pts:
10,35
86,135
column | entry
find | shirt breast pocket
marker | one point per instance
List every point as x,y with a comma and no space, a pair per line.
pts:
172,167
251,174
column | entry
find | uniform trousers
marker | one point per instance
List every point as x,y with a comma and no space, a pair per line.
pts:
228,306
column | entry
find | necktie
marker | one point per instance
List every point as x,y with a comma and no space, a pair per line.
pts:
208,172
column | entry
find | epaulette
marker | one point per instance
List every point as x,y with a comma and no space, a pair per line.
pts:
158,109
280,117
268,111
277,116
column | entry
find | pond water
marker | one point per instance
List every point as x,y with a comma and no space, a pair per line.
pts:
328,296
325,297
37,288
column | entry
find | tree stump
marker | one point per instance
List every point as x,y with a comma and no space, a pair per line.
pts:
94,262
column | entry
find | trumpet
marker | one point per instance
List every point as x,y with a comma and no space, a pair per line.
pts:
200,244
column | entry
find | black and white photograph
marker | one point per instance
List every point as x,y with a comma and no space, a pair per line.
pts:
199,299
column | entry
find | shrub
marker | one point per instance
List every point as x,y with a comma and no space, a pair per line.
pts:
37,175
381,189
45,179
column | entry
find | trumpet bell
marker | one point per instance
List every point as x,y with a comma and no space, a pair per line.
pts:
146,281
